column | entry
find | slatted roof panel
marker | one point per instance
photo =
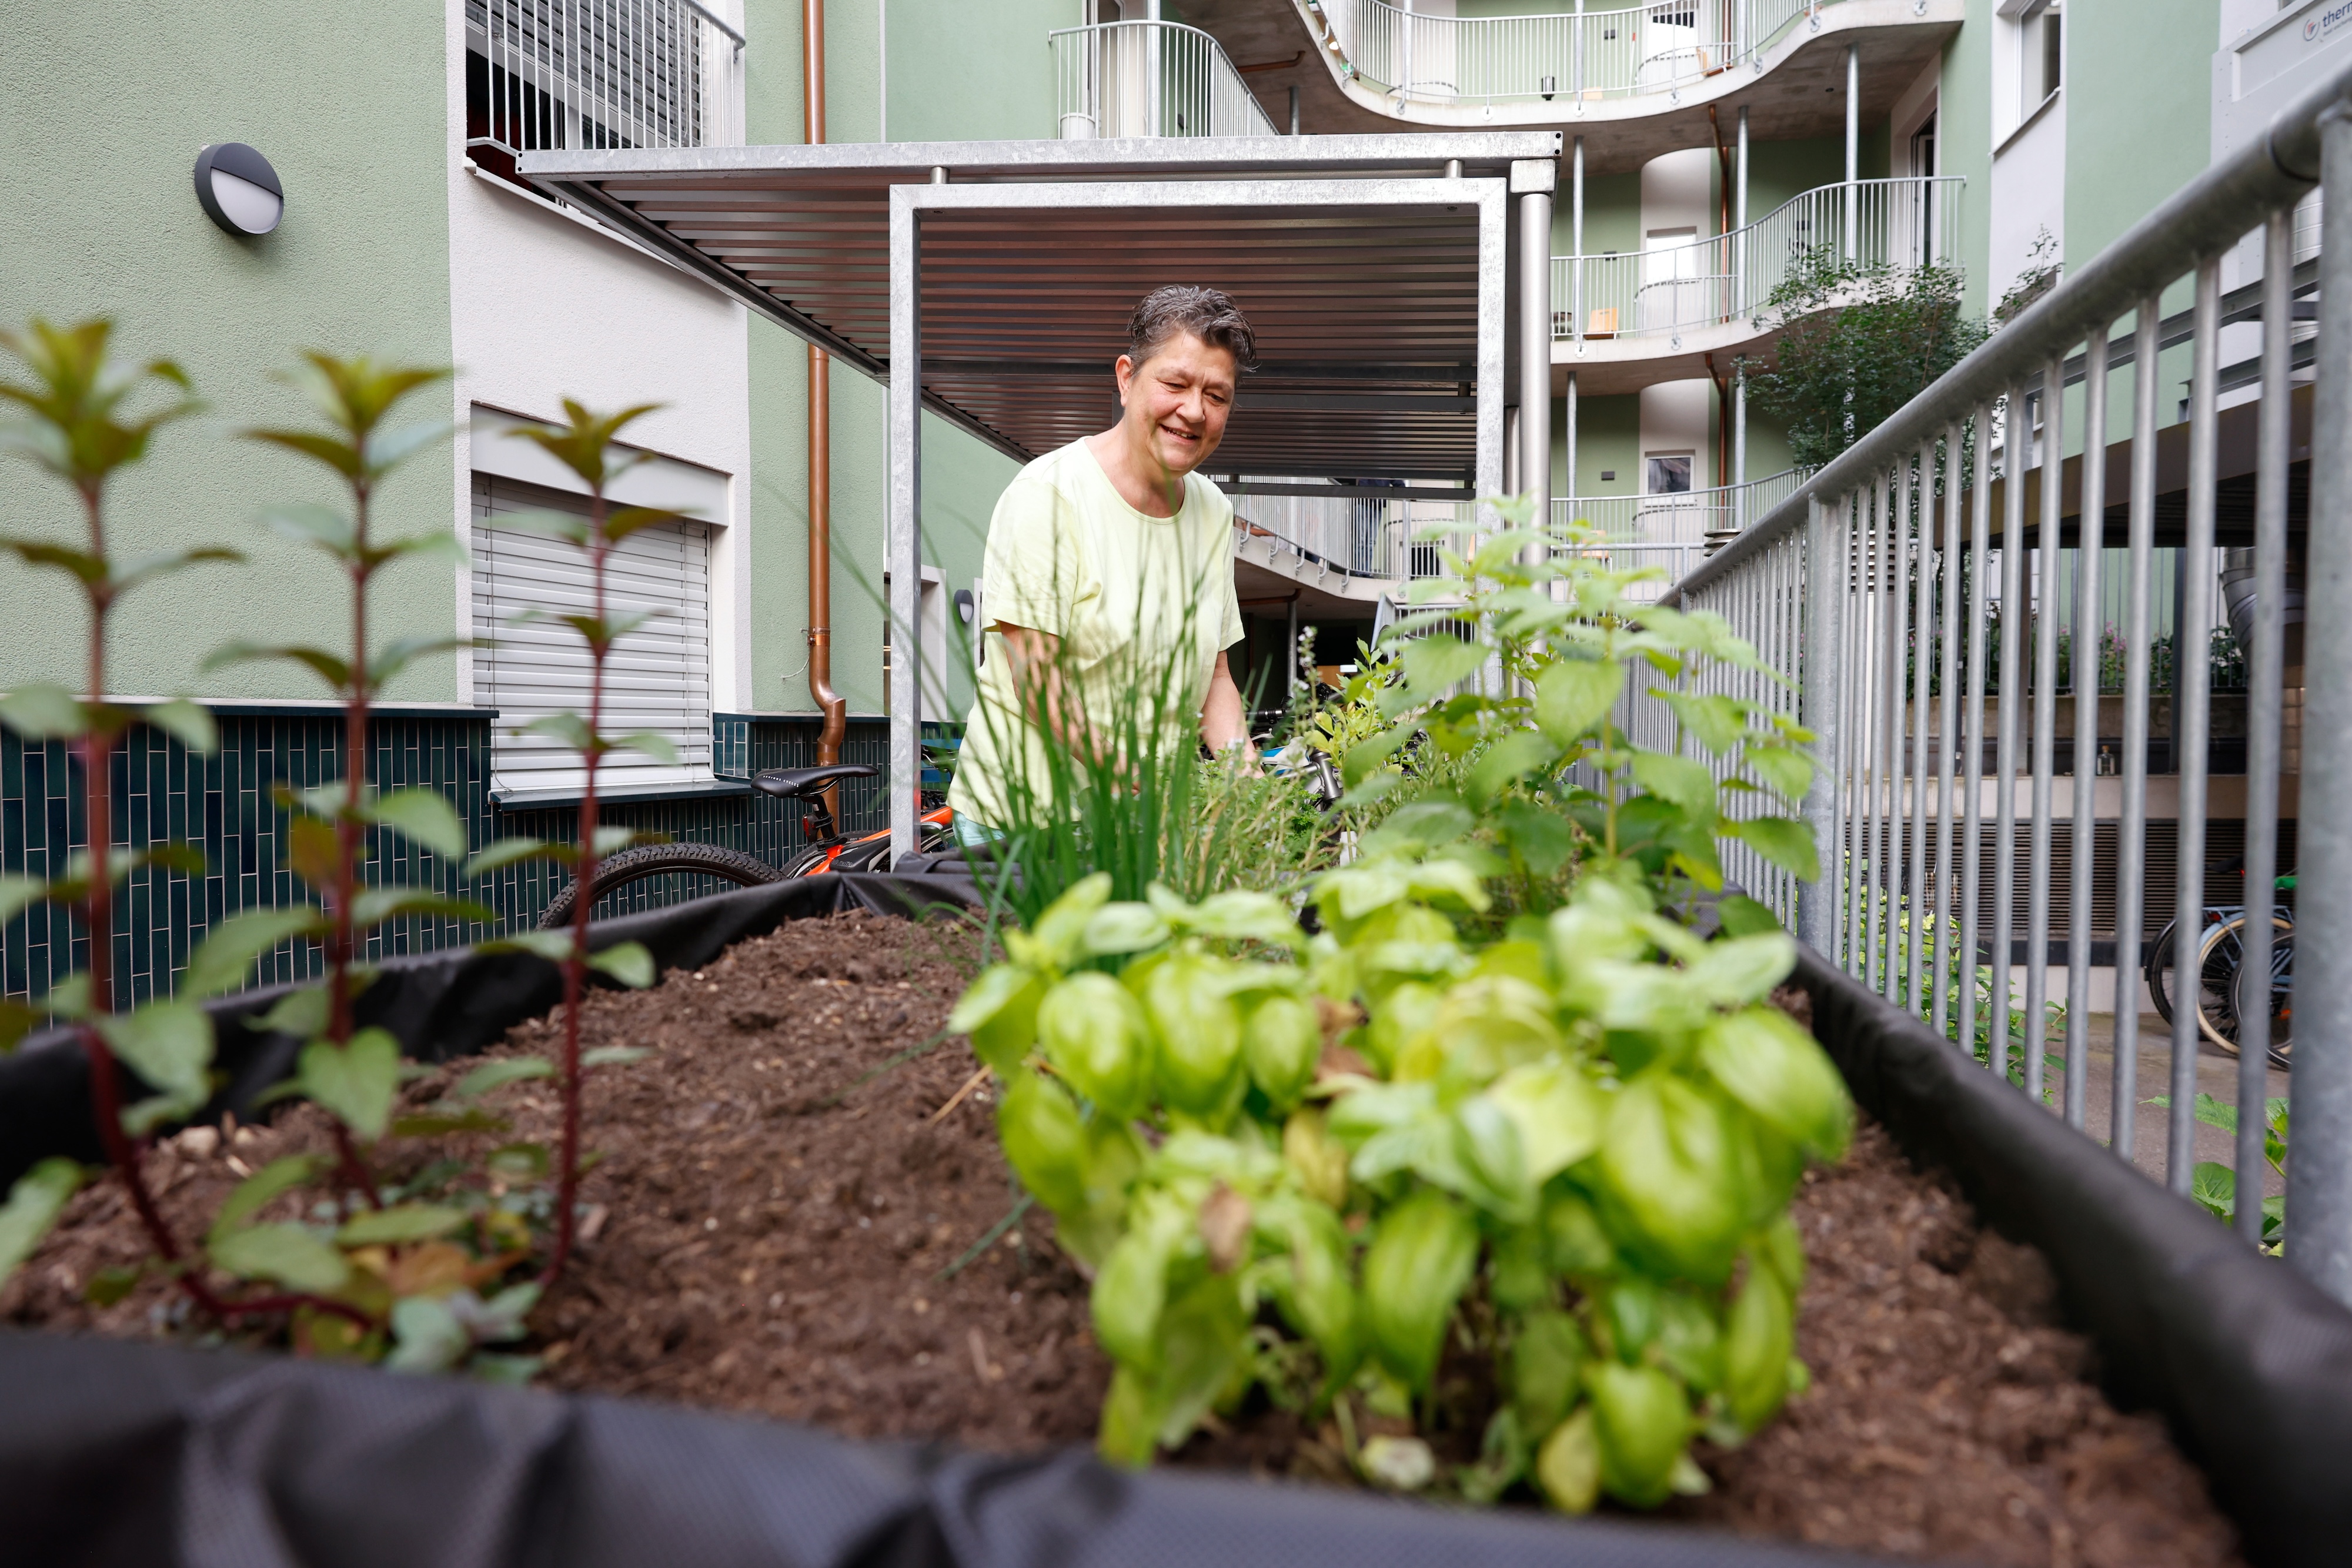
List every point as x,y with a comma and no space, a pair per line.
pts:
1367,320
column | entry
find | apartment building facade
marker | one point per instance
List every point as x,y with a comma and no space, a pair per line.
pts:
1707,145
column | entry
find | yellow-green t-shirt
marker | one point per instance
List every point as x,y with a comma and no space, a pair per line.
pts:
1143,606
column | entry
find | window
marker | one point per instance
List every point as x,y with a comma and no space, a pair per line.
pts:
1669,474
657,678
2041,54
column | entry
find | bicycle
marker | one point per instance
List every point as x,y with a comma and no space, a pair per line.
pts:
828,851
2221,963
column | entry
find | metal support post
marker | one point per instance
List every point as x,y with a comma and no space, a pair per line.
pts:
1824,635
1853,147
903,557
1739,442
1532,182
2319,1177
1739,220
1568,418
1576,262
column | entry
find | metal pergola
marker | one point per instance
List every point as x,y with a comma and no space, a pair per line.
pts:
1397,321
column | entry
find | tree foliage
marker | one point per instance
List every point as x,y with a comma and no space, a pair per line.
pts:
1860,341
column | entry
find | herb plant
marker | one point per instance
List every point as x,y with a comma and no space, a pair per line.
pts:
1554,1133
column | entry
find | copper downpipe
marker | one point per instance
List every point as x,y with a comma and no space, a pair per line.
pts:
820,459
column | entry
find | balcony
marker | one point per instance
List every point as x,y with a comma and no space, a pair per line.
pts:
1635,318
1369,64
1353,549
1149,78
1659,47
548,74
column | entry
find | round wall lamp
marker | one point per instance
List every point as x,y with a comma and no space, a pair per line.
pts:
238,189
963,604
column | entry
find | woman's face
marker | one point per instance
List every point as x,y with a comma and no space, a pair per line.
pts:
1177,401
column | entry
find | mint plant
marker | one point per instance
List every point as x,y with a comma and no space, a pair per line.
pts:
413,1269
586,445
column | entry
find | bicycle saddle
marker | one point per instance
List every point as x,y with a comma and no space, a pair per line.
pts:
799,783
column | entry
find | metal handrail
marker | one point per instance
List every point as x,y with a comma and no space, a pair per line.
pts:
1907,221
1588,55
1876,601
1149,78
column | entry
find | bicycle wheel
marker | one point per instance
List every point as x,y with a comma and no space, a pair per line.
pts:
2159,970
2222,960
660,859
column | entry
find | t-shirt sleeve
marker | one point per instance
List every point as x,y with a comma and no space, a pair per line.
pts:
1035,571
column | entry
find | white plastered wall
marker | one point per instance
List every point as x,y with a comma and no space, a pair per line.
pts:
545,306
2029,164
1678,193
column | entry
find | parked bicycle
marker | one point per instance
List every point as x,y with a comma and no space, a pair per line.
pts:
828,850
2220,976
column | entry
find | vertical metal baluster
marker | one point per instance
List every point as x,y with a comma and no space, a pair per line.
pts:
1860,560
2089,630
1874,768
2192,691
1947,738
1897,635
2017,434
2131,823
1922,922
2265,674
1973,866
2319,1177
2046,724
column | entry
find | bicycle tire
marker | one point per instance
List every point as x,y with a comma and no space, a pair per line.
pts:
2158,969
2220,963
660,859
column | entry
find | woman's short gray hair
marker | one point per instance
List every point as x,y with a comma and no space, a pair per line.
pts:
1205,313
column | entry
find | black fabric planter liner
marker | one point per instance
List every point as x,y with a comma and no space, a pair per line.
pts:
2250,1361
113,1451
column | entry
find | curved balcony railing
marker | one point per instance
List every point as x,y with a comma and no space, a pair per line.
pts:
1693,519
1149,78
1671,289
1562,58
1380,536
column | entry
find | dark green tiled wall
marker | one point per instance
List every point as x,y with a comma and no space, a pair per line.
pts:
223,803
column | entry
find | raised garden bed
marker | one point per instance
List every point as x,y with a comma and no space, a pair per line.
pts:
783,1234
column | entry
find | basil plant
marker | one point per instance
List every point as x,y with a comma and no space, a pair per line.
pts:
1336,1167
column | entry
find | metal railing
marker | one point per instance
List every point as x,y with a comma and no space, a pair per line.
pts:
1904,223
1937,857
1685,518
606,73
1355,535
1564,57
1373,536
1149,78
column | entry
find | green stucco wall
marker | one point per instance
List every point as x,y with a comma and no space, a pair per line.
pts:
2139,111
106,105
1964,143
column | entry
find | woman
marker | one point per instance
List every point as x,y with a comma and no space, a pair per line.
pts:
1110,580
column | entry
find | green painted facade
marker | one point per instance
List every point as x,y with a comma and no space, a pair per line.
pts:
102,109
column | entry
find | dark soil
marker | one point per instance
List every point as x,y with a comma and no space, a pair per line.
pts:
781,1201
